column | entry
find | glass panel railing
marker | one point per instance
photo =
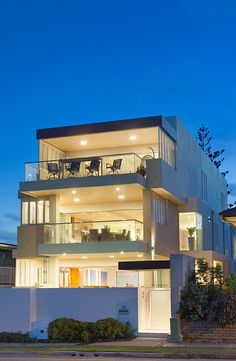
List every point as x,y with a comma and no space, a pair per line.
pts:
99,231
83,167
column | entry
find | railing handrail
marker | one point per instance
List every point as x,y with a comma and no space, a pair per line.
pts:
81,158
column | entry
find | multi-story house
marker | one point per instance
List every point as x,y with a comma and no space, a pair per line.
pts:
7,265
105,194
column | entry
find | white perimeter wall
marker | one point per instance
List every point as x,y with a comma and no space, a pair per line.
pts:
31,309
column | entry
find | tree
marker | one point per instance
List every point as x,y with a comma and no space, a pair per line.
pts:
205,141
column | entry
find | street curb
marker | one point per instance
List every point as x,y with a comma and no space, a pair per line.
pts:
81,354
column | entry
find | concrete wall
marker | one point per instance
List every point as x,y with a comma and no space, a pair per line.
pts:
31,309
17,310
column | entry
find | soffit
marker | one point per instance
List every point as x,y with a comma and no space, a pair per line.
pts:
104,140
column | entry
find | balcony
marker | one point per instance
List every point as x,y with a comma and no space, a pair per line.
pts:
103,165
98,231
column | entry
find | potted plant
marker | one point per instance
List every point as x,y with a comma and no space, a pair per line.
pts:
106,233
191,239
141,170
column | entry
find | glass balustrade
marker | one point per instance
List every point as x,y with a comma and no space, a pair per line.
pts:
83,167
99,231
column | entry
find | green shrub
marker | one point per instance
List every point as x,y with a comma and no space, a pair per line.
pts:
109,329
16,337
64,330
88,332
208,298
69,330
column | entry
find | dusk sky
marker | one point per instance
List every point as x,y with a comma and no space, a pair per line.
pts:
76,61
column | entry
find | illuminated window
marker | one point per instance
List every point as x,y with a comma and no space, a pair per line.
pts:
25,213
32,212
46,204
127,279
40,212
166,148
190,231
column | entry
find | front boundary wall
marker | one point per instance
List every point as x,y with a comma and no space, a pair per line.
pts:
208,332
31,309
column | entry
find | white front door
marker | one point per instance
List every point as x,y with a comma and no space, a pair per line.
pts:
154,310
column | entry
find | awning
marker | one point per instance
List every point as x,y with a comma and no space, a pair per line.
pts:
229,216
143,265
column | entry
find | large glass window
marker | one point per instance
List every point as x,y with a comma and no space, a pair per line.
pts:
46,211
25,213
96,277
32,212
35,212
127,279
166,148
190,231
40,212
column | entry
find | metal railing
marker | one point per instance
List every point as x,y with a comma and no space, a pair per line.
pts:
83,167
98,231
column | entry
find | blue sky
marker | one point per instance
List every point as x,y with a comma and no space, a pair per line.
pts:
72,61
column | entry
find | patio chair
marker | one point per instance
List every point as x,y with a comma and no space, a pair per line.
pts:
115,167
73,169
128,236
53,170
93,167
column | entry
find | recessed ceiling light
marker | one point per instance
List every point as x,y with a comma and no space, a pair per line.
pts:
139,255
111,256
76,199
84,257
64,254
122,252
83,142
121,196
132,137
73,192
117,189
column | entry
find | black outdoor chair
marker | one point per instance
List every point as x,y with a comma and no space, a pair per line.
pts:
115,167
93,167
73,169
53,170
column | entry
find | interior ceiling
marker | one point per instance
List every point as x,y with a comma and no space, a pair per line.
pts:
94,195
114,139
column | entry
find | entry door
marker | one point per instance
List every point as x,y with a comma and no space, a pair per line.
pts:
154,312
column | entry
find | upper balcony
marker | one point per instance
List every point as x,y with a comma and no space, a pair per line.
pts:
92,154
113,164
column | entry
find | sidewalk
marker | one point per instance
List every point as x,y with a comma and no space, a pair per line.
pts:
140,347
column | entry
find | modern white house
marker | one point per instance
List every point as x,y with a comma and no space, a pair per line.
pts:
107,204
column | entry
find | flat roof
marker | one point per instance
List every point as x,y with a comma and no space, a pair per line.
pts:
229,216
83,129
230,212
7,245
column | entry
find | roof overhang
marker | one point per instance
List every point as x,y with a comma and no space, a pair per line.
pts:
143,265
229,216
111,126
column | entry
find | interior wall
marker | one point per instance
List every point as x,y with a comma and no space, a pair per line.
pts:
140,150
48,152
